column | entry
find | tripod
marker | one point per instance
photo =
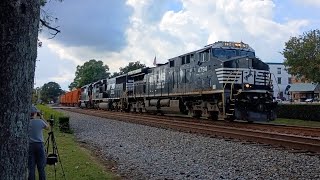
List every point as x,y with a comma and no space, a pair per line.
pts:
53,157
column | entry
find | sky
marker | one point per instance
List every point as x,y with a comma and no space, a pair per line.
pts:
121,31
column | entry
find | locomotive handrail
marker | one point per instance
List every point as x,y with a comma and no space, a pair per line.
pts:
223,101
234,80
232,73
232,85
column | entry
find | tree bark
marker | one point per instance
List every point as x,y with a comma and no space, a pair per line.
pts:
19,33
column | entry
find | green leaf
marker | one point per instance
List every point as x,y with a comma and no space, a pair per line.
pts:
302,55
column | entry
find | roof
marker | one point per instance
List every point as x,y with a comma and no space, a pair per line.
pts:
303,87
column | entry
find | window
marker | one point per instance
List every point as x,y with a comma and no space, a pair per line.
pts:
219,53
279,80
231,53
183,60
279,70
204,56
247,53
289,80
188,59
171,63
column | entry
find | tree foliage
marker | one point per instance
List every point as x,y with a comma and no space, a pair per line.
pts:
115,74
50,92
130,67
36,95
302,55
89,72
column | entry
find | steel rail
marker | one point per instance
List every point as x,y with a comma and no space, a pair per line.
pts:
284,129
272,138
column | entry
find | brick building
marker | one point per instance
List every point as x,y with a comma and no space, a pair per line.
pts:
302,89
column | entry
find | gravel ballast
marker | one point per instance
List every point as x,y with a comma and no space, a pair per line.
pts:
143,152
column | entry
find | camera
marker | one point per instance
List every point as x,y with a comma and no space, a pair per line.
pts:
51,121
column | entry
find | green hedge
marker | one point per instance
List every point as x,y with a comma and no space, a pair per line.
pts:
310,112
60,120
64,124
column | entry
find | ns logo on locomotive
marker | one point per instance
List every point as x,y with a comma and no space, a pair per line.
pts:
222,80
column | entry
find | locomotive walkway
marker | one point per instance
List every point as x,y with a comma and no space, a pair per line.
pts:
296,138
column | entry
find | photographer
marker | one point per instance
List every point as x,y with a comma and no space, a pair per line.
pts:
37,156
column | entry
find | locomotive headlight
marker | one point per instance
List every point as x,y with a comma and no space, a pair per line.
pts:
247,85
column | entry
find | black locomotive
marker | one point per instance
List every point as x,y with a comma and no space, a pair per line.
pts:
222,80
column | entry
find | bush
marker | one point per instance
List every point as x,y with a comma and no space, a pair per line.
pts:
310,112
64,124
48,112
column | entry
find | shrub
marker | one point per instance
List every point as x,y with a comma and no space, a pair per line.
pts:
310,112
64,124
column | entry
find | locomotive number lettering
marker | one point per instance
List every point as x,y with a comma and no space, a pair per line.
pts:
203,69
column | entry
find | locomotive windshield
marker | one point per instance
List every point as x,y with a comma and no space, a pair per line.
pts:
246,63
229,53
249,54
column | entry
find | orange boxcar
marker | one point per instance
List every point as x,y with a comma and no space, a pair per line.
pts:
62,99
70,98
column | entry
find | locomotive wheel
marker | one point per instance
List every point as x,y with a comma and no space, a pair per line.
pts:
132,109
230,118
213,115
161,113
196,114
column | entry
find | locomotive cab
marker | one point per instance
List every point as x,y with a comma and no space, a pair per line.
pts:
246,80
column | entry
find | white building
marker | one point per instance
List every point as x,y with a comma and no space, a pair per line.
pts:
280,80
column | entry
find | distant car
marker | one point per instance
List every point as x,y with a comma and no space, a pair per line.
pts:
277,100
309,100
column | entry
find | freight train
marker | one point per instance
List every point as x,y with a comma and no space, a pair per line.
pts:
222,80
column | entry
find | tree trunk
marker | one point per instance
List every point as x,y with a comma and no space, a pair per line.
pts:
19,33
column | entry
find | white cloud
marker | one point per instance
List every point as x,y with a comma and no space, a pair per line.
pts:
79,55
63,76
249,20
198,23
309,2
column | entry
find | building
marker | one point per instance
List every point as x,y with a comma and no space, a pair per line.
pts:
299,92
302,79
281,80
302,91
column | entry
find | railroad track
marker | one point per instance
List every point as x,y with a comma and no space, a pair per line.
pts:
291,137
283,129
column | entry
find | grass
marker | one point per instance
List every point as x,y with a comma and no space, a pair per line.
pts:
78,163
48,112
296,122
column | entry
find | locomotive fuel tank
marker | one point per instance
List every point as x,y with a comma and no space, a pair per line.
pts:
104,105
168,106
